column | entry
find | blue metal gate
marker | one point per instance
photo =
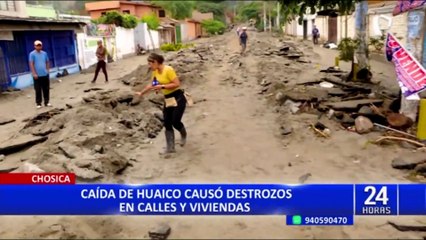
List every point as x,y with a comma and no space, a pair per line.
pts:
4,77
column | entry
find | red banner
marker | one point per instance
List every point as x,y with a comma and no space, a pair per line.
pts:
407,5
410,73
37,178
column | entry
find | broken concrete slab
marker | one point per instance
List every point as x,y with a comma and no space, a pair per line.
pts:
84,174
20,143
4,120
352,104
308,94
408,162
160,232
336,92
69,150
42,117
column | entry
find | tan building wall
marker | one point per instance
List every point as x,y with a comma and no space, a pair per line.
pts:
96,9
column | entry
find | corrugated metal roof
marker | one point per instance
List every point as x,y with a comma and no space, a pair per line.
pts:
41,20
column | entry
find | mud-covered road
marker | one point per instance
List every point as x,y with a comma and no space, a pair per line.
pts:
237,133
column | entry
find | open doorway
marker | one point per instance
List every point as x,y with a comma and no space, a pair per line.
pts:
305,29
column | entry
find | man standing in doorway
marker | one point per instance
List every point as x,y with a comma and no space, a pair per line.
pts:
101,55
315,34
39,65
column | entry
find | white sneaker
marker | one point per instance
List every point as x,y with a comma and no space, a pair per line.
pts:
48,105
38,106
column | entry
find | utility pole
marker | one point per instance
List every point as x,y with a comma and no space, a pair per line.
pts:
361,33
264,16
409,107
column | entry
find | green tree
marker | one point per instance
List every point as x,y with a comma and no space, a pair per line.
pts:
249,11
218,9
129,21
176,9
111,17
213,26
153,22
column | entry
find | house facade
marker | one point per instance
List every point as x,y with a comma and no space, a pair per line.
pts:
333,27
138,9
16,42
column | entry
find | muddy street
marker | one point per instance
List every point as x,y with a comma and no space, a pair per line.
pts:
240,130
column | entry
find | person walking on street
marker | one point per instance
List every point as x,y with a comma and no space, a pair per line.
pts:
39,65
101,55
243,40
164,78
315,34
238,31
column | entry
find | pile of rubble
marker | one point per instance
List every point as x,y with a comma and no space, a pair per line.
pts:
188,63
91,139
357,106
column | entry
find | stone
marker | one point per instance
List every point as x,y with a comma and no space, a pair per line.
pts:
304,178
363,125
4,121
286,130
20,143
265,83
279,96
56,228
365,110
2,157
421,168
99,149
160,232
409,162
68,150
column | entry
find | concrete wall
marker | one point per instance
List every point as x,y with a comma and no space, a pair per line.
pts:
20,9
142,37
87,50
125,40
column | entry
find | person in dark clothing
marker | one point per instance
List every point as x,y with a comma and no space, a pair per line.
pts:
101,55
164,78
39,65
243,40
315,34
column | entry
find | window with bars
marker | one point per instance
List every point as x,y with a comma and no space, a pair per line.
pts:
7,6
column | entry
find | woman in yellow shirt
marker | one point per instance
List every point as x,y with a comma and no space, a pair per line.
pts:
164,78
